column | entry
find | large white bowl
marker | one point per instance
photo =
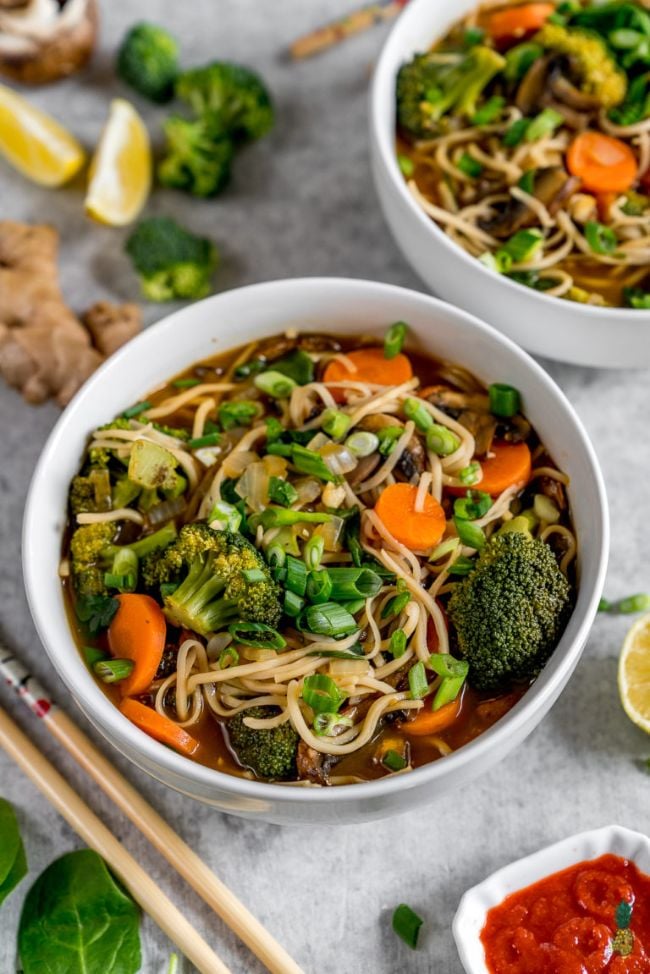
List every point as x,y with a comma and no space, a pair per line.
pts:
236,317
559,329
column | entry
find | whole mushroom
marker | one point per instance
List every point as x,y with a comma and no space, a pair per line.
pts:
42,40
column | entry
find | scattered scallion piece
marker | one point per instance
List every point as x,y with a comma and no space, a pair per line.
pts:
247,369
396,605
319,586
388,437
628,605
394,761
394,339
418,681
335,423
470,533
210,439
445,547
328,619
329,725
132,411
515,133
475,504
362,443
322,694
93,655
520,58
113,670
441,440
469,166
240,412
296,580
407,924
453,672
226,516
636,297
256,635
282,492
523,245
275,384
310,462
600,238
254,575
406,165
297,366
415,410
527,181
274,429
505,401
489,111
543,124
280,517
228,657
186,383
354,583
123,583
470,474
462,566
605,605
293,604
397,644
313,552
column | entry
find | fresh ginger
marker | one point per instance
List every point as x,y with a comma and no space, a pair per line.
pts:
45,350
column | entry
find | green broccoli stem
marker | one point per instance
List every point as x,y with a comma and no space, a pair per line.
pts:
151,542
196,605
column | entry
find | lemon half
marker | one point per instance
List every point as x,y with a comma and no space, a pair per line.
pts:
634,673
120,171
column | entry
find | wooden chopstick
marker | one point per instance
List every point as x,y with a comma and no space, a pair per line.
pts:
319,40
95,834
152,825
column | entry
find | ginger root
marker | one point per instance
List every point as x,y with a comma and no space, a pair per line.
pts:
45,350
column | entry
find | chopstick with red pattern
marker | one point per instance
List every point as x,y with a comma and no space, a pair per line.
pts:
319,40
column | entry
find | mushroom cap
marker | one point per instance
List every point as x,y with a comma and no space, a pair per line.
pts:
41,41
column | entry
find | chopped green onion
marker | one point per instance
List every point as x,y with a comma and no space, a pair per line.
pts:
444,664
447,692
388,437
397,644
277,449
527,181
441,440
543,124
227,517
489,111
470,474
394,339
186,383
321,693
462,566
257,635
293,604
469,166
396,605
519,59
247,369
93,655
113,670
351,532
354,605
280,517
140,407
633,603
296,575
415,410
228,657
123,583
329,725
335,423
600,238
446,547
473,36
362,443
624,38
298,366
636,297
354,583
406,924
406,165
313,551
310,462
470,533
274,429
515,133
319,586
275,384
329,619
475,504
354,652
605,605
282,492
240,412
126,563
523,245
210,439
254,575
394,761
505,401
418,681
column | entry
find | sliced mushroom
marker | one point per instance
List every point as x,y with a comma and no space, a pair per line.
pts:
552,186
566,91
42,40
554,490
532,86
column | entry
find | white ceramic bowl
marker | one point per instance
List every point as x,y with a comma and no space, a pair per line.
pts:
236,317
564,330
472,910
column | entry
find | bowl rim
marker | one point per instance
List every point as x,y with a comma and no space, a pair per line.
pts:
123,735
381,137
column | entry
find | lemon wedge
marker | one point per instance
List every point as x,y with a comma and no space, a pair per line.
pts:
634,673
120,171
35,143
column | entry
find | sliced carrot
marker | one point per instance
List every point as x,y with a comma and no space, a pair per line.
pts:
509,465
370,366
515,22
138,632
160,728
418,530
429,721
602,163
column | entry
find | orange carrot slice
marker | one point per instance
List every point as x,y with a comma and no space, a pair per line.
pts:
509,465
160,728
602,163
138,632
428,721
370,366
515,22
418,530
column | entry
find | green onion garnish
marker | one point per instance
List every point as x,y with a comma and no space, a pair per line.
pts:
296,580
319,586
93,655
298,366
354,583
277,449
123,583
254,575
293,604
282,492
628,605
605,605
227,517
388,437
600,238
462,566
527,181
444,664
275,554
247,369
362,443
470,166
275,384
328,619
210,439
256,635
396,605
515,134
280,517
186,383
636,297
475,504
406,924
441,440
274,429
335,423
228,657
397,644
238,413
415,410
489,111
406,165
505,401
313,552
329,725
394,761
321,693
543,124
523,245
418,681
470,474
519,59
446,546
140,407
310,462
394,339
113,670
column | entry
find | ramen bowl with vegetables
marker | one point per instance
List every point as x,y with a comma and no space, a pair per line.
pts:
333,563
511,142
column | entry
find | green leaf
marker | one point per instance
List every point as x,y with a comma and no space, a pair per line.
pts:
13,862
76,919
623,914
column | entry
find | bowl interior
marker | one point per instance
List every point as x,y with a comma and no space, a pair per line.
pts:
248,314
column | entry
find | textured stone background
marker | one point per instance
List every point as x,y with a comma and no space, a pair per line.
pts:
302,203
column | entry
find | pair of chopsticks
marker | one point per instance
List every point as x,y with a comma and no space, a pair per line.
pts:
159,833
319,40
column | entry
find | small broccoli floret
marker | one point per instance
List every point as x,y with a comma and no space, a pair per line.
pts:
234,99
148,61
510,611
171,262
214,585
176,431
90,492
428,90
268,753
101,457
93,553
197,160
599,73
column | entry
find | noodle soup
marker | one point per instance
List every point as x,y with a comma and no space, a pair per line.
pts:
319,560
525,134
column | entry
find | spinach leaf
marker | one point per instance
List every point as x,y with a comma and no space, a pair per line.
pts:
77,920
13,862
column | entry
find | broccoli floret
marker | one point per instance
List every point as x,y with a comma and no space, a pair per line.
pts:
93,552
148,61
90,492
234,99
197,159
268,753
101,457
510,611
221,578
599,73
176,431
171,262
428,90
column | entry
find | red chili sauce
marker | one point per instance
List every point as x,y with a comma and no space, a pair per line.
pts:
567,923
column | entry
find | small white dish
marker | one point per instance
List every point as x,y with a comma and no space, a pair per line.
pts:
473,908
